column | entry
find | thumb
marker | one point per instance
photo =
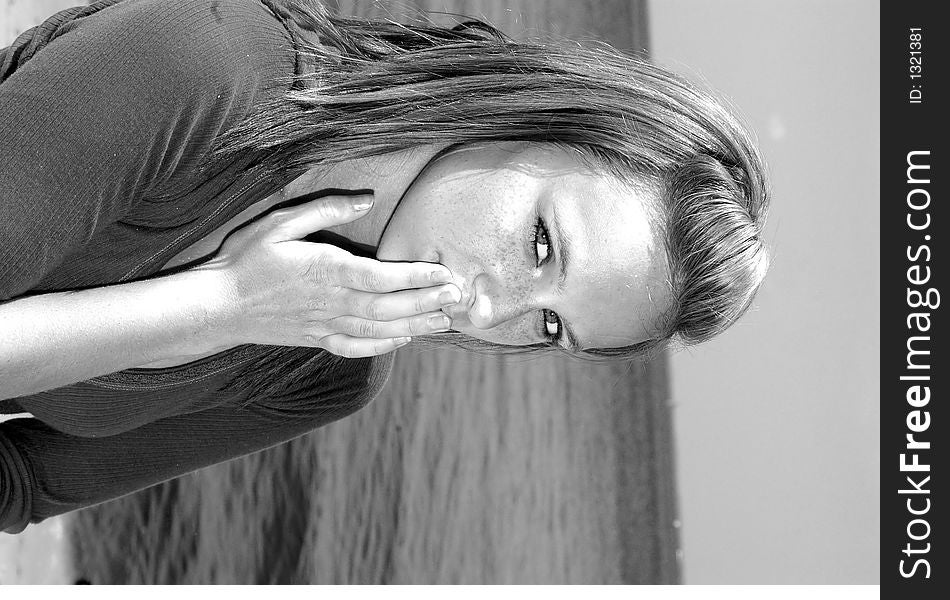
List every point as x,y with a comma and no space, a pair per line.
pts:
302,220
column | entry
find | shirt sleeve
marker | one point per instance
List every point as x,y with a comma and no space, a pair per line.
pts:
114,105
45,472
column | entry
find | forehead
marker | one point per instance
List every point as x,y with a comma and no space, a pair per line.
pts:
617,288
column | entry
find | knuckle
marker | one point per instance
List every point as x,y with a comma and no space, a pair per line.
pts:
319,268
316,304
333,343
419,279
371,280
347,350
419,304
417,327
327,209
280,216
367,329
373,310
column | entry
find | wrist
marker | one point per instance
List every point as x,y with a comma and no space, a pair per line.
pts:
213,311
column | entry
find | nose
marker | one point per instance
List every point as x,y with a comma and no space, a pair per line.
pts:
491,305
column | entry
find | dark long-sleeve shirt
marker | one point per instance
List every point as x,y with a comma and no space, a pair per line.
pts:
105,113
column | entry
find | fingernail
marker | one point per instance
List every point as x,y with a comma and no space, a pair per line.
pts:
450,295
439,322
440,276
402,341
361,203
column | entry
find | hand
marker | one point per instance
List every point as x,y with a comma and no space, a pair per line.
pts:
289,292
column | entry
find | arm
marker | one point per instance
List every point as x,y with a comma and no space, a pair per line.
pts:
265,286
44,472
52,340
117,104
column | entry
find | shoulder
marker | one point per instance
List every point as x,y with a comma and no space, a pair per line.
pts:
178,21
378,370
195,42
311,384
345,384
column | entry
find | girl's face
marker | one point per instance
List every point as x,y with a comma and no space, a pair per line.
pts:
542,248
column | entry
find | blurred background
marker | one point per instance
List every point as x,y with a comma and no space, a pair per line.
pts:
545,471
776,421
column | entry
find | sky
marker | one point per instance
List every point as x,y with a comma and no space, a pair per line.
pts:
776,421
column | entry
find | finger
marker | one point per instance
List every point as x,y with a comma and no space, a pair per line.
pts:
300,221
352,347
432,322
371,275
402,304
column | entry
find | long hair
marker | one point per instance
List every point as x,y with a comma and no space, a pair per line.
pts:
377,87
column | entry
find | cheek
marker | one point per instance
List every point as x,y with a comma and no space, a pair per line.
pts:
517,332
480,228
487,215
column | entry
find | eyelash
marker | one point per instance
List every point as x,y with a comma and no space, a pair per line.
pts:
540,230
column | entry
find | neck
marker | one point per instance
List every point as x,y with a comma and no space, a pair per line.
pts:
389,176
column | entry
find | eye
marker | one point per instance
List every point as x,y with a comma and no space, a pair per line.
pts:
550,321
541,241
552,325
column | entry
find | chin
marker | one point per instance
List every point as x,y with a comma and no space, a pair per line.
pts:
390,253
393,251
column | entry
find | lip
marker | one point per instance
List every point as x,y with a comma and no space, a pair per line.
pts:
460,309
455,312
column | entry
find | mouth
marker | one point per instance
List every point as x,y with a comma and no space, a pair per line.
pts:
458,312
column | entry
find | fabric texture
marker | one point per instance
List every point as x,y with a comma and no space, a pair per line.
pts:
105,114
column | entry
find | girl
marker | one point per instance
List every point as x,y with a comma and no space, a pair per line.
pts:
220,219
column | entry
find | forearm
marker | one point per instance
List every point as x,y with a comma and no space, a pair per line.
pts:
51,340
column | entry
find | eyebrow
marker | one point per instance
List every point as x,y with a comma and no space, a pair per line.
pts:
563,248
